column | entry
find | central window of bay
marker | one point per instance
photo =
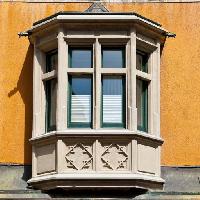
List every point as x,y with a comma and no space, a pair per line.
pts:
98,91
113,86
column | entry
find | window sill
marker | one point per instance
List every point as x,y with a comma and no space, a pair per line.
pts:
100,132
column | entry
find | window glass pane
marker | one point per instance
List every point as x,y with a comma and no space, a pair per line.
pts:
52,61
142,105
142,61
80,112
50,105
113,57
80,57
113,105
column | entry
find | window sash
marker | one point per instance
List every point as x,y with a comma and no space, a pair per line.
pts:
71,123
121,48
144,56
142,105
50,114
71,49
121,124
51,55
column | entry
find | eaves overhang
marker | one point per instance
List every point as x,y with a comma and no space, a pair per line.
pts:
100,17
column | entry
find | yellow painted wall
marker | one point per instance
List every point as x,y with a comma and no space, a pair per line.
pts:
180,77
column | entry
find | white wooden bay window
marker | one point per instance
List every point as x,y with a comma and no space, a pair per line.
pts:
96,113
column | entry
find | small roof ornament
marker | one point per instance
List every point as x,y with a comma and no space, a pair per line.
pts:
96,8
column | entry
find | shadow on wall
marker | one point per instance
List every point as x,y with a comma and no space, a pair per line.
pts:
25,88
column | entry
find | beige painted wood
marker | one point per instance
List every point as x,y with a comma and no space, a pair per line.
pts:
143,75
60,156
37,91
49,75
45,158
134,156
133,124
146,159
61,112
97,75
113,71
128,87
80,70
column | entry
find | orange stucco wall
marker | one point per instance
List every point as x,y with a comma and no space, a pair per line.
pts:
180,77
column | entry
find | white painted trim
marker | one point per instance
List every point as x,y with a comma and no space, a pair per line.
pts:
113,70
61,111
80,70
96,17
97,176
97,132
49,75
132,86
143,75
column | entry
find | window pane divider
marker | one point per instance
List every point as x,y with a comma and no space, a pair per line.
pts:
49,75
113,71
143,75
80,70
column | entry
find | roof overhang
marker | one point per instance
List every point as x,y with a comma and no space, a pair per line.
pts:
100,17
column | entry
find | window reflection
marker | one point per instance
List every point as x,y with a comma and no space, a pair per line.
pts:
80,101
113,57
80,57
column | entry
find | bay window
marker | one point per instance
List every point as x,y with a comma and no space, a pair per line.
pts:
96,102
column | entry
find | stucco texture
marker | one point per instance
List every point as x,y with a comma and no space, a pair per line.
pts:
180,87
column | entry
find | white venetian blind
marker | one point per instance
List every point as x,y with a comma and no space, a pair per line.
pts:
112,101
112,108
81,108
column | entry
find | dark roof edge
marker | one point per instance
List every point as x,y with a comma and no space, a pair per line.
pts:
100,13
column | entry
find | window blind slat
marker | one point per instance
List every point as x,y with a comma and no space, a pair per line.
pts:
81,108
112,108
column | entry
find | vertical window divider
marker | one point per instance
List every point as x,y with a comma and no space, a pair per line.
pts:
93,86
61,111
128,94
133,114
43,94
97,72
37,92
155,92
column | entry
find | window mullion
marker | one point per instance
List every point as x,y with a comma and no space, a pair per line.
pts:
133,109
61,111
155,92
97,80
38,93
